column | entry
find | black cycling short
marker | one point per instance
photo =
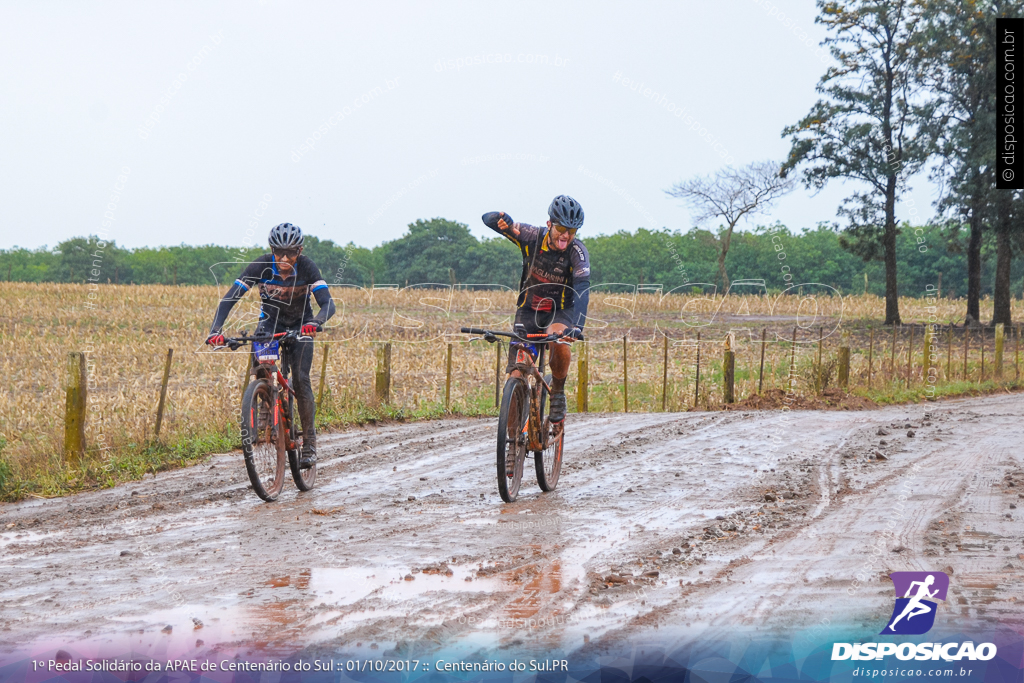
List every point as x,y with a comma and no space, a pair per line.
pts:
537,322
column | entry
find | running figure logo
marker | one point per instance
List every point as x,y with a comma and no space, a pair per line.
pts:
914,613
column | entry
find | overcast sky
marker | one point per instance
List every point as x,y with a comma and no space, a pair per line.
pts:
417,109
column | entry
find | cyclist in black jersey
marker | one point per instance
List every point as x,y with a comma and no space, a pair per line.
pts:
286,280
554,289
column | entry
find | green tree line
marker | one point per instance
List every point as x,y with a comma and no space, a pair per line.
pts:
445,252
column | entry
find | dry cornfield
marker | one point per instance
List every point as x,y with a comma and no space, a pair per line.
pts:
125,332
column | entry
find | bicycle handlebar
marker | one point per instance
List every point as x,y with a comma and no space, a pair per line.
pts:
533,338
234,342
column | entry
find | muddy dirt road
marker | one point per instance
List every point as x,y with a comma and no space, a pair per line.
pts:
667,525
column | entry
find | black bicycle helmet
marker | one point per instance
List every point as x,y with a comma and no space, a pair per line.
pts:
566,211
285,236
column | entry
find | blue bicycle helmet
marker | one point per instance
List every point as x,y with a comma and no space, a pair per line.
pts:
565,210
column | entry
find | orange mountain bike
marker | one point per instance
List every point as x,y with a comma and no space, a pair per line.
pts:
522,423
269,430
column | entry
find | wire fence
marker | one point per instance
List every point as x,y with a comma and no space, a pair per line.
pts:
645,352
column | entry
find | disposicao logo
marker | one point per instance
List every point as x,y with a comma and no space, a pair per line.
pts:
914,614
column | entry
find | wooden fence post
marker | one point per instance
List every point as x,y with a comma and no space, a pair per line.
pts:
844,362
248,371
696,383
1000,331
497,373
871,350
892,355
582,402
1016,352
949,356
448,380
820,383
382,383
323,376
74,409
910,357
983,355
163,395
664,375
760,373
625,374
729,373
792,365
926,357
967,334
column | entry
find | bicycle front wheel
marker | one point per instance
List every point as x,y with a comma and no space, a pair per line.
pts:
512,438
548,462
263,440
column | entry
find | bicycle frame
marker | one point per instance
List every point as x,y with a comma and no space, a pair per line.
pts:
522,425
525,370
283,406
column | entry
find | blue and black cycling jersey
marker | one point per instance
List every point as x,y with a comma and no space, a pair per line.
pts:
284,300
551,280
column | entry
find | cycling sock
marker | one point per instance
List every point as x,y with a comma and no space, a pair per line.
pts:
557,384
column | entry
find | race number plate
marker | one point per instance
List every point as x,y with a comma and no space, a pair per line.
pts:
266,352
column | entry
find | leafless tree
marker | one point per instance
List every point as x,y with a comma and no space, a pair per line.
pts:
731,194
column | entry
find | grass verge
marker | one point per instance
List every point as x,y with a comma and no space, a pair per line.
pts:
897,394
132,461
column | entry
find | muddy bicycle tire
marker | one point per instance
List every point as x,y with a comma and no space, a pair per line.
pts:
263,442
512,439
304,479
548,462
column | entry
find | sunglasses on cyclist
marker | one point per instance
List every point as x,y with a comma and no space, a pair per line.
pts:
560,230
286,253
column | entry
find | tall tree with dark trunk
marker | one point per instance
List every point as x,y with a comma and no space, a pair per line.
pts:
955,58
865,129
1008,215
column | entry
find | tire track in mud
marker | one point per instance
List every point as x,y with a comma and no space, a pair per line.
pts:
662,526
736,563
781,592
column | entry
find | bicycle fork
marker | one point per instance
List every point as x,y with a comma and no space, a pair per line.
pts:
283,400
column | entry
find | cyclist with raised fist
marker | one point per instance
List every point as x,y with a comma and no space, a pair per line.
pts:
554,289
287,281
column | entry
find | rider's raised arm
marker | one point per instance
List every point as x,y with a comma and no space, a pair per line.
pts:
517,233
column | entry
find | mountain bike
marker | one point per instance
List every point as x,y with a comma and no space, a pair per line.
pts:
269,430
522,423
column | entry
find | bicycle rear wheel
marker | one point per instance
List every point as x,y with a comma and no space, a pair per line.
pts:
263,443
304,478
512,438
548,462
